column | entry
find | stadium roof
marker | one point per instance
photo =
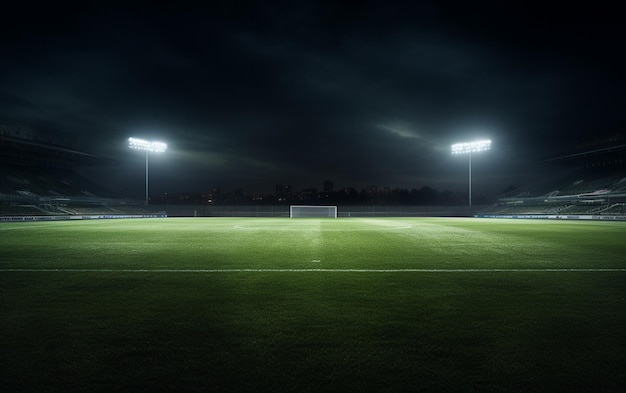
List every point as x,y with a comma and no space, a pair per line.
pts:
21,152
588,153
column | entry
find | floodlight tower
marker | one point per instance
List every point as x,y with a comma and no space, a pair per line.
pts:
148,147
469,148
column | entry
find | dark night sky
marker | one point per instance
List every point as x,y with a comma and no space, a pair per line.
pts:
253,94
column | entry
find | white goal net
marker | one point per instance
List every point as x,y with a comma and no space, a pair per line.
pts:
312,211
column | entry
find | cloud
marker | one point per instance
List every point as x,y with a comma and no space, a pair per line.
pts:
401,130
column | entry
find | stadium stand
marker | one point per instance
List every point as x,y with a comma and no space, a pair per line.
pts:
37,178
592,183
580,200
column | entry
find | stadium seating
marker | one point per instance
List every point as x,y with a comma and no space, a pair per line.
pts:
593,194
30,191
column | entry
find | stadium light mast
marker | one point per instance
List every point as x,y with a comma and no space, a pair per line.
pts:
469,148
148,147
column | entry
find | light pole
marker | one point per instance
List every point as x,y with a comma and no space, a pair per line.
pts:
148,147
469,148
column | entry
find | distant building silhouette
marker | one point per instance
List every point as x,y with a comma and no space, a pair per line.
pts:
329,186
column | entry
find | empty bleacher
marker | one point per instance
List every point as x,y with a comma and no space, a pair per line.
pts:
590,194
30,191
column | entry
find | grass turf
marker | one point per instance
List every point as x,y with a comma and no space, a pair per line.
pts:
103,329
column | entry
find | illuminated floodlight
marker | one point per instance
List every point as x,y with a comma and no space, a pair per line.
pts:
140,144
148,147
469,148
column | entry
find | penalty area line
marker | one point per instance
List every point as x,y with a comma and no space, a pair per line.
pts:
592,270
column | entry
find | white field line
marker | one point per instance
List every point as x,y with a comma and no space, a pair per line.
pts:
309,270
285,228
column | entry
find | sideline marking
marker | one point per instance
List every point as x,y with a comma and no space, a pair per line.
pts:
308,270
288,228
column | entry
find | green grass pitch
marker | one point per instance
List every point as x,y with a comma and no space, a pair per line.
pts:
298,305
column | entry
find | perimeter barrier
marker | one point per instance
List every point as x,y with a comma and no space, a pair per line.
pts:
78,217
555,216
342,211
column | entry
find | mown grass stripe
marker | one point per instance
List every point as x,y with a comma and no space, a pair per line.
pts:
311,270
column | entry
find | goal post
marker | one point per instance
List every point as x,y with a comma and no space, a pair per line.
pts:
312,211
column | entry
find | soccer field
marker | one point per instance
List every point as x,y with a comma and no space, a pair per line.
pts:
278,304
